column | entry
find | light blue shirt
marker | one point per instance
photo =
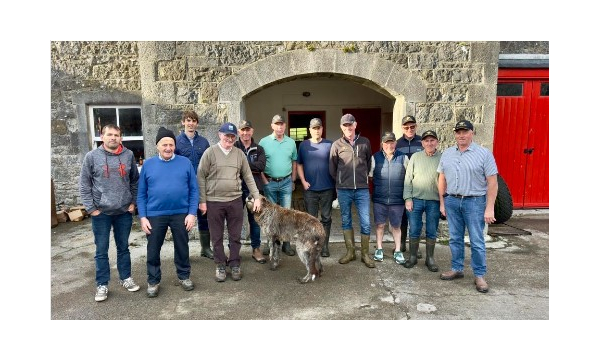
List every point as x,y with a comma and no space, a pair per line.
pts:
466,171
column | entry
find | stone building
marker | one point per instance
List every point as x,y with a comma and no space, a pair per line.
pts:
145,85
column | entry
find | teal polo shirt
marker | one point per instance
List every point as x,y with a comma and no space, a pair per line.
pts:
280,155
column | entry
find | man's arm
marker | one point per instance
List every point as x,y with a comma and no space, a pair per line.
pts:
442,190
492,192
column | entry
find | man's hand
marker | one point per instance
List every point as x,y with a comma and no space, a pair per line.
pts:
190,221
257,205
145,225
408,205
202,208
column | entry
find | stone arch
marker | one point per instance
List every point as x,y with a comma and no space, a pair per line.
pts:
370,70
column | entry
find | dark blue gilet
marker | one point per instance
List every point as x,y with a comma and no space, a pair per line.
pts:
388,179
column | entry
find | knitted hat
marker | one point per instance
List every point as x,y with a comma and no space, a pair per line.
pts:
163,132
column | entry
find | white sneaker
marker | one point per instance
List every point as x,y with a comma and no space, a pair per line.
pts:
101,293
129,284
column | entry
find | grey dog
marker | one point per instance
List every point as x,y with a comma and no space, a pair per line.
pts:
281,224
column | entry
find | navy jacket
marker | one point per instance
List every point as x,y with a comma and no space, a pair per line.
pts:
388,178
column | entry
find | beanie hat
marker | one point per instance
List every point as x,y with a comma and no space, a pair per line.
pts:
163,132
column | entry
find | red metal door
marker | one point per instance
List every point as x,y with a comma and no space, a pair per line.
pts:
369,125
521,135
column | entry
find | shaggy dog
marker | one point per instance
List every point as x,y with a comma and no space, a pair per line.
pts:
281,224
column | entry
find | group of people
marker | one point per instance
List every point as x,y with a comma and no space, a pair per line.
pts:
189,179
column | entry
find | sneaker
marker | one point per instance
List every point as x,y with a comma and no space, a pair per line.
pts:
378,255
152,290
187,284
220,274
399,258
129,284
101,293
236,273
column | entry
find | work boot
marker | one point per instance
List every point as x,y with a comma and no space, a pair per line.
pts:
403,229
287,249
349,240
414,248
364,251
325,250
205,242
429,247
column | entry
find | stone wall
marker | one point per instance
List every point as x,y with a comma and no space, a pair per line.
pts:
440,82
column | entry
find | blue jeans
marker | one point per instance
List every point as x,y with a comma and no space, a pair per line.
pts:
254,228
180,243
431,208
362,199
121,225
280,192
467,213
320,200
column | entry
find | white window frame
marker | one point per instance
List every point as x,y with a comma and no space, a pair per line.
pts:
96,139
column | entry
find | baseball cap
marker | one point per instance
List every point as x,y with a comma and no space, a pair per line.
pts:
347,119
429,133
463,124
245,124
228,128
277,119
388,136
408,119
315,122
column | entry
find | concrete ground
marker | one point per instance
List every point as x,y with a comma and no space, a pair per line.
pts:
518,276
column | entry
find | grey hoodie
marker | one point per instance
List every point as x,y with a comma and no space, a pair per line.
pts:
110,191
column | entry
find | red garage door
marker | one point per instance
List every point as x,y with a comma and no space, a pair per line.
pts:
521,135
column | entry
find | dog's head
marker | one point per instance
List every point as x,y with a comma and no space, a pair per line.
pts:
250,203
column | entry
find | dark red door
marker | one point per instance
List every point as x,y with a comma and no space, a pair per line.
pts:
521,135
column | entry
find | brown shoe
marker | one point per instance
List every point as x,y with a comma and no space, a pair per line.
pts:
257,256
480,284
451,275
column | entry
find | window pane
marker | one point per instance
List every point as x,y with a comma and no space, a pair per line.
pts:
137,146
510,89
545,89
103,116
130,122
298,134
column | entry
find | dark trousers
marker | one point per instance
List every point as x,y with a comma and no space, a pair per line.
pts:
254,227
180,242
218,213
320,200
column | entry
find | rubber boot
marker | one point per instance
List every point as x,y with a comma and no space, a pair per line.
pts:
325,249
205,242
403,229
414,248
430,246
287,249
349,240
364,251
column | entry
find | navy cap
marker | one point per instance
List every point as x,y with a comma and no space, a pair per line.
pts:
429,133
228,128
463,124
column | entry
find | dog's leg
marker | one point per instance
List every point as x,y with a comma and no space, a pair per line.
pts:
275,253
305,257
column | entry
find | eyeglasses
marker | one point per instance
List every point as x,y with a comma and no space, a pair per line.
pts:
412,127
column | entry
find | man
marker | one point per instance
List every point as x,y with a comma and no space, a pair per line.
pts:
388,169
421,196
167,198
220,175
280,171
313,171
349,164
191,145
409,144
108,186
255,154
467,187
